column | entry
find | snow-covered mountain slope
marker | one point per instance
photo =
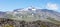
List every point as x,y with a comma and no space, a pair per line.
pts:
32,13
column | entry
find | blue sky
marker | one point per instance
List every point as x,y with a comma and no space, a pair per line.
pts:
9,5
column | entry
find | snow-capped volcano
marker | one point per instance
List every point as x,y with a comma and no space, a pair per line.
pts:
26,9
32,13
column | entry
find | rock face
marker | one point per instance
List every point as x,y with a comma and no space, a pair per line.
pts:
14,23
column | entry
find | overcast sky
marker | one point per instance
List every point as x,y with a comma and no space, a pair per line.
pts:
9,5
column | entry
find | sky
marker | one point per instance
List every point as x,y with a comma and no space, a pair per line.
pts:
9,5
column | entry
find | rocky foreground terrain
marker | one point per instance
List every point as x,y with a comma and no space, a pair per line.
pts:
14,23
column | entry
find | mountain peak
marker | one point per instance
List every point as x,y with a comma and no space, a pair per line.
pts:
32,8
26,9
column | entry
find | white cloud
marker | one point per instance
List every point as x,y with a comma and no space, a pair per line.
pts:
52,6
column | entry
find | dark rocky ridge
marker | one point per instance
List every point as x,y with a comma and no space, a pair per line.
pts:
14,23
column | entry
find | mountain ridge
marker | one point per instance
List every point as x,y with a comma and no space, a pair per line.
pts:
33,13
